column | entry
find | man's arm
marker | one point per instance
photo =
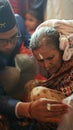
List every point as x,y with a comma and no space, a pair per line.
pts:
7,106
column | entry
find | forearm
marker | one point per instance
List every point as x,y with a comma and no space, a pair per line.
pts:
11,107
14,108
7,106
23,109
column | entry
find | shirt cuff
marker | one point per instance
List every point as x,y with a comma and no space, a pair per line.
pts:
16,107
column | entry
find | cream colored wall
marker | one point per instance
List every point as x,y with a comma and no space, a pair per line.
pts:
59,9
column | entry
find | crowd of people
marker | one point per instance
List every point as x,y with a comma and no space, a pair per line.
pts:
34,54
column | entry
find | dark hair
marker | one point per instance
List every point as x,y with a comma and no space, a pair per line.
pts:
35,14
49,33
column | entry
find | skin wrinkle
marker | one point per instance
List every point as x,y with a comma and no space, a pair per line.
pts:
51,57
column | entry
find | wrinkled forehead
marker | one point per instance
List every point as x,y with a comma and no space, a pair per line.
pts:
8,34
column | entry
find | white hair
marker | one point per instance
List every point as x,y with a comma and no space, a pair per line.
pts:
50,32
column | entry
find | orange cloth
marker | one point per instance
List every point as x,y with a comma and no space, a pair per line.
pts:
24,50
40,77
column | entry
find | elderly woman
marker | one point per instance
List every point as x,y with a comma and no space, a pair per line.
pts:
46,47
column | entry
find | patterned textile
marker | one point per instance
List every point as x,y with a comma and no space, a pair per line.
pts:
63,79
66,83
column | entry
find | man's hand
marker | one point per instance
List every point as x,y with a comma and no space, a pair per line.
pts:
39,110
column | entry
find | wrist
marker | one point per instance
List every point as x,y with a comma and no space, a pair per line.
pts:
23,110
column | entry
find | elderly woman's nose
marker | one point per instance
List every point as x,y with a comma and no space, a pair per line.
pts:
46,64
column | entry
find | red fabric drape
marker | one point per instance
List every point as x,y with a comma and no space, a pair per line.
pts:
20,6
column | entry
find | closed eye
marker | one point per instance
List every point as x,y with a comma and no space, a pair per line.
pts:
49,58
41,60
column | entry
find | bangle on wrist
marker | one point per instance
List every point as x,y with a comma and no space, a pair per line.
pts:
16,107
29,110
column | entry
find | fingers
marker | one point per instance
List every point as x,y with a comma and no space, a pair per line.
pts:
55,120
55,114
51,114
40,111
57,107
48,101
52,105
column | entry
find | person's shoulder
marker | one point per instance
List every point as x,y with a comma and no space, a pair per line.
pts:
17,16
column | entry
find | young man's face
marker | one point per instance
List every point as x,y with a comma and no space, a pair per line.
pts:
8,41
48,57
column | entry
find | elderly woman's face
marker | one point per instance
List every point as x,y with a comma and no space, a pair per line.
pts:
48,57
